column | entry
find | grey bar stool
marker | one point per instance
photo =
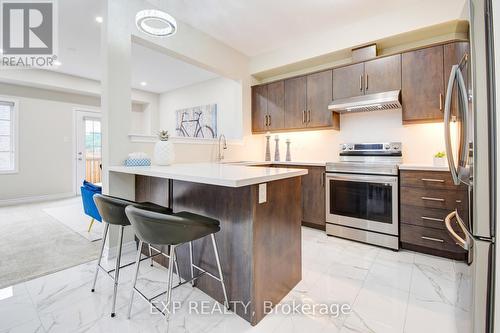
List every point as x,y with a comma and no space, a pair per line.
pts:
173,230
112,211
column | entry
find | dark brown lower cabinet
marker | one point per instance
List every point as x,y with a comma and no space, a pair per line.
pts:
313,196
426,198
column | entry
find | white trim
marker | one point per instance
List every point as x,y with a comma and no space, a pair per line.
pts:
194,141
15,136
24,200
142,138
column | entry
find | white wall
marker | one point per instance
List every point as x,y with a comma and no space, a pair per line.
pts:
412,16
226,93
146,122
46,143
420,142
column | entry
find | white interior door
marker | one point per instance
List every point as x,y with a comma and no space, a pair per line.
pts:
88,147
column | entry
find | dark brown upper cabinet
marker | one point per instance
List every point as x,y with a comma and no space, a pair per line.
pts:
259,108
268,102
453,55
319,95
296,102
374,76
423,85
276,105
383,74
348,81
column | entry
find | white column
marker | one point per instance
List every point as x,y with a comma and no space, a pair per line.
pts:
116,103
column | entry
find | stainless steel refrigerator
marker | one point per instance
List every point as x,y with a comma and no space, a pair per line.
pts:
472,161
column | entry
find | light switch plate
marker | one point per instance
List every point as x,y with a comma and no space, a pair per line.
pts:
262,193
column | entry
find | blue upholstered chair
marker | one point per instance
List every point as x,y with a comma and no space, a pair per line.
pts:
88,191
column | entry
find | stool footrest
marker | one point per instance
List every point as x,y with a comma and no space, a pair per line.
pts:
126,265
205,272
149,300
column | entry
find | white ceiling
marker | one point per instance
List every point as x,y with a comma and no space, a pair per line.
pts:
258,26
79,52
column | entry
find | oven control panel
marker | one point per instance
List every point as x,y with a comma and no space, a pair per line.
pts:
384,148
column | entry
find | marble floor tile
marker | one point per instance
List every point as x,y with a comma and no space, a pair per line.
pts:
378,309
388,292
426,315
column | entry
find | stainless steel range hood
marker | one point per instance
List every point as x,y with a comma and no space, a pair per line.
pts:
372,102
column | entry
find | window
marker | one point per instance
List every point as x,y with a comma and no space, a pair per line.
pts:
8,136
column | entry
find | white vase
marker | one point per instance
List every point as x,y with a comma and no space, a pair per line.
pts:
164,153
440,161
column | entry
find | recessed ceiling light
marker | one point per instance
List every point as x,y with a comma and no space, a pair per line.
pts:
155,23
57,63
143,83
99,19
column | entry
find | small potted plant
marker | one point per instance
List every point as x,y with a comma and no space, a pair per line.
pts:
164,150
439,159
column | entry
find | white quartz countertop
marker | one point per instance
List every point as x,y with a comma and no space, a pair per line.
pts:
229,175
422,167
303,163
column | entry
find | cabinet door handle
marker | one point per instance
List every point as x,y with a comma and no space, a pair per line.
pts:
303,116
433,199
361,82
265,122
432,219
432,239
440,102
432,180
308,116
366,82
269,123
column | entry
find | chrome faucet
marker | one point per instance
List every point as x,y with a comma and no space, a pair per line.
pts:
220,152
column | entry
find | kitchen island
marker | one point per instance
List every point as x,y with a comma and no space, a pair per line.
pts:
259,210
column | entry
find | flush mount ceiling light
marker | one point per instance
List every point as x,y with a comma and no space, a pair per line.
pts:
155,23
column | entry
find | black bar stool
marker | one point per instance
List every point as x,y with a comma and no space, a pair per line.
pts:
173,230
112,211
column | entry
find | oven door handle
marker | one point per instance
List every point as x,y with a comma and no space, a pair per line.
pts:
391,180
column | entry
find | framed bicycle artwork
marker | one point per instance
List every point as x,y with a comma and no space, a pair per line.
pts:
197,122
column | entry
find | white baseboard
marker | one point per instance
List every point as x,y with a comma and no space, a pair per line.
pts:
24,200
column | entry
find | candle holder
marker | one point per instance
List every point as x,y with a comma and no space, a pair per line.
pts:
288,155
268,147
277,149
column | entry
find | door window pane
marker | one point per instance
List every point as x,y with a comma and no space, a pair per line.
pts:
93,150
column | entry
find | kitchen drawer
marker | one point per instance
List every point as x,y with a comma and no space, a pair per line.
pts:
428,179
429,217
424,217
429,238
443,199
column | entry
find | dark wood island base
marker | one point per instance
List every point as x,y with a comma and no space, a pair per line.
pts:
259,243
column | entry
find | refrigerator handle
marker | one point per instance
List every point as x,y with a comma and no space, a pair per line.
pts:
464,243
464,109
447,118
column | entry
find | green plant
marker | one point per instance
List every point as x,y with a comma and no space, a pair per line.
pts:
163,135
440,154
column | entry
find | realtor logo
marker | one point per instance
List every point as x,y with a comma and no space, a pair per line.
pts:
28,33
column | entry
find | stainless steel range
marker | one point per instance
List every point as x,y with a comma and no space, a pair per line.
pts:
362,193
